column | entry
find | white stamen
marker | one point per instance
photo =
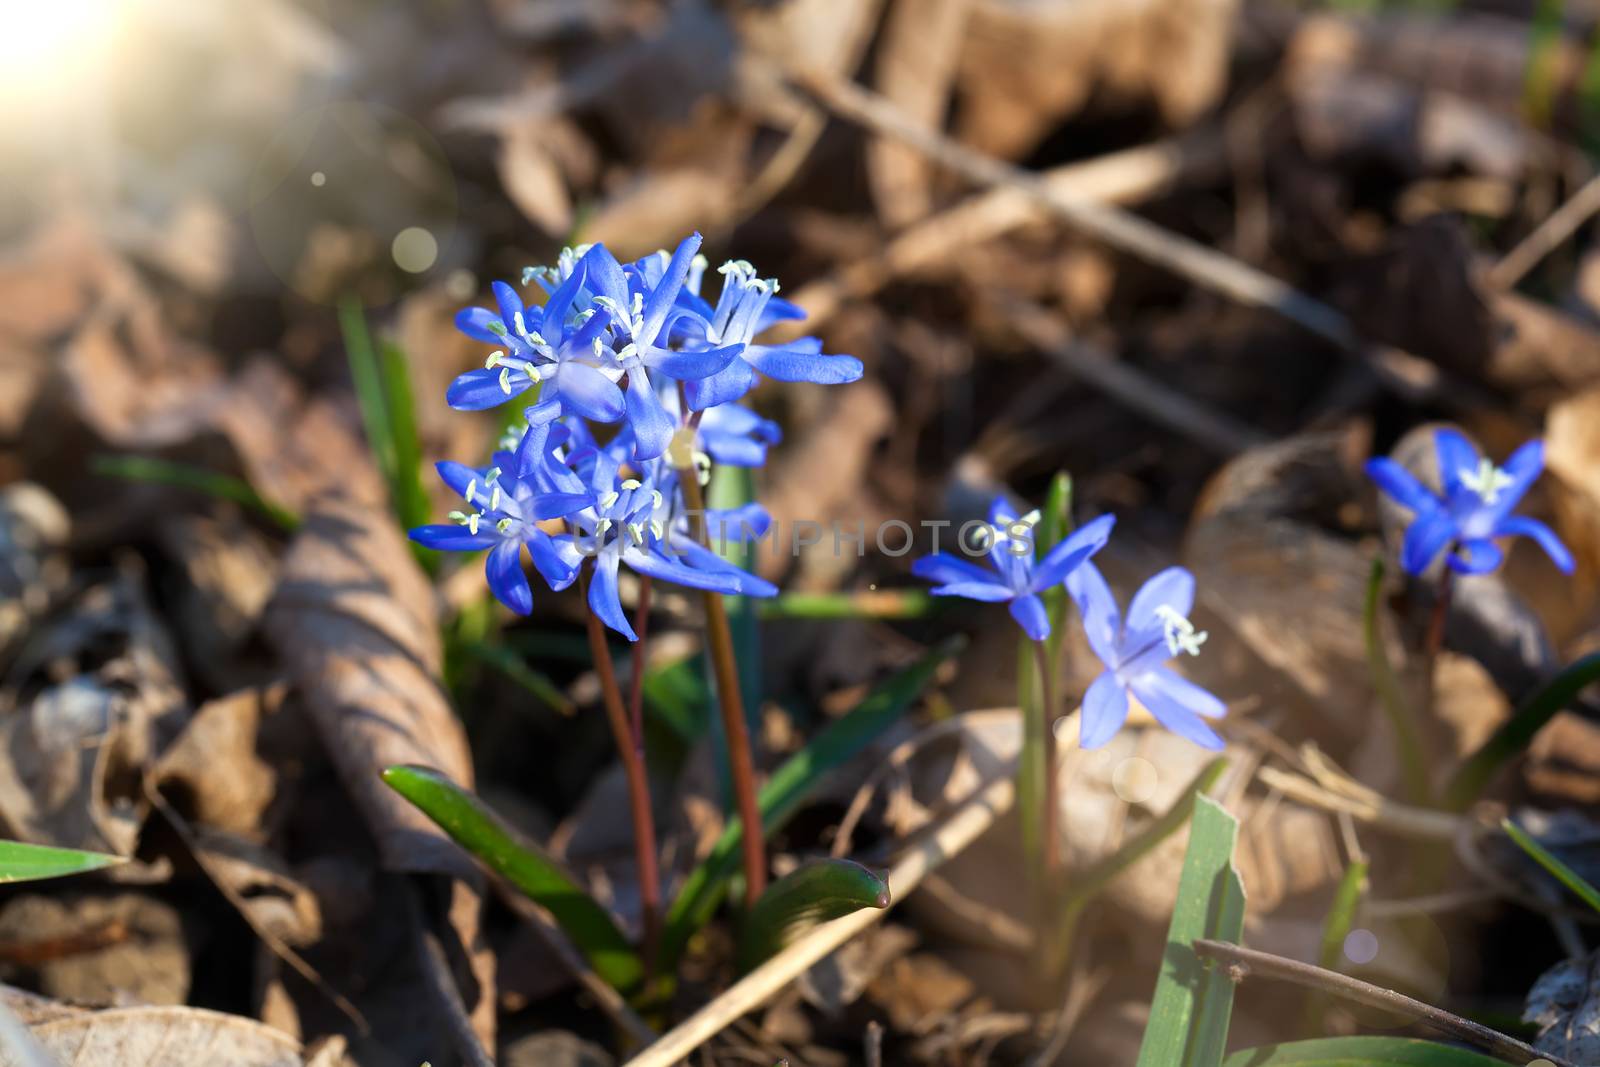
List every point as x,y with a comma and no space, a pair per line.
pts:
458,517
605,524
504,525
489,478
607,501
472,487
656,498
521,324
494,360
702,467
631,483
1180,632
472,523
658,529
494,499
1487,481
505,380
636,531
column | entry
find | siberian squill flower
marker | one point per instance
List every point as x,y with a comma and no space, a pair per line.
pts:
502,513
1134,652
731,434
1016,578
1473,508
745,307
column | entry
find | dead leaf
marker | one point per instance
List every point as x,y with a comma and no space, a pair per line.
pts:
164,1037
94,949
34,571
1565,1004
533,181
225,783
228,570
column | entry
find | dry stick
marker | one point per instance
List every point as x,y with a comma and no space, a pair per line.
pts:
1133,388
1243,962
632,755
1422,823
769,979
1406,374
1550,233
730,700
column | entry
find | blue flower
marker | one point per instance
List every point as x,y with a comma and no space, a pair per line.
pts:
729,433
504,510
1134,651
1016,579
624,510
745,307
1474,507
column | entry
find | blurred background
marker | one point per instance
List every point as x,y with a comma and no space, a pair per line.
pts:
1205,255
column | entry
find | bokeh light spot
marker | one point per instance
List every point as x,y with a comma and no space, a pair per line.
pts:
414,249
1135,780
318,179
1361,947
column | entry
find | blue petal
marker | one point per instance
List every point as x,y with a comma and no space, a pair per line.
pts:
1102,624
735,526
448,537
692,366
510,303
652,429
803,361
1178,688
654,566
604,600
1523,468
665,294
1105,709
478,390
778,310
559,505
586,391
457,475
1427,536
1400,484
559,306
1477,556
1456,456
733,450
703,559
557,572
1542,535
1071,551
1172,714
606,277
724,387
506,580
944,568
991,592
475,322
1029,612
1173,588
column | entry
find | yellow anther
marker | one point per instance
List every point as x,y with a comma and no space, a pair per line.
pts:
504,525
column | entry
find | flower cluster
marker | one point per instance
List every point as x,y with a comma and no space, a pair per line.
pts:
1133,651
634,344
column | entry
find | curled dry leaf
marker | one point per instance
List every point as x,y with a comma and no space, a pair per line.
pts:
33,565
228,570
1565,1004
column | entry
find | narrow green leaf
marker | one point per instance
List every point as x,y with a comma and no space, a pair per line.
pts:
1550,862
679,695
410,498
1360,1052
368,382
22,862
788,788
1413,763
816,892
865,604
1055,522
476,828
1342,915
1189,1014
516,668
1518,731
199,479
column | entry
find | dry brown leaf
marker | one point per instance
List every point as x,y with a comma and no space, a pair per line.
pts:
228,571
34,572
533,181
164,1037
225,784
92,949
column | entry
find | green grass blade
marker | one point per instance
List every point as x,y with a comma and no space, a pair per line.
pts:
1550,862
868,604
517,670
22,862
410,498
816,892
1342,915
1189,1014
1518,731
199,479
788,789
368,382
1360,1052
476,828
1413,763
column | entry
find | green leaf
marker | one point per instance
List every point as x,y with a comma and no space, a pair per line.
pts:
1342,915
816,892
476,828
410,498
1518,731
1189,1014
516,668
22,862
199,479
1413,764
1360,1052
788,788
1055,522
862,604
1550,862
368,382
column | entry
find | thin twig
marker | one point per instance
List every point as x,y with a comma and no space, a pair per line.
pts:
631,751
1161,404
1398,818
766,981
436,972
1244,962
1556,228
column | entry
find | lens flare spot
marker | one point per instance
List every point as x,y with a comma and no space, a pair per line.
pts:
1135,780
414,249
318,179
1361,947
